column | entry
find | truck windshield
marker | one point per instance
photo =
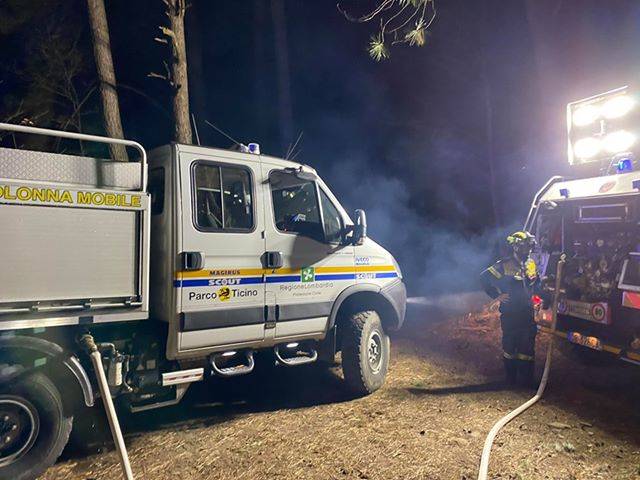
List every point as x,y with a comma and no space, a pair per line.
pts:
333,225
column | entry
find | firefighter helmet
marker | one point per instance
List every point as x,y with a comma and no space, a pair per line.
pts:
521,238
522,244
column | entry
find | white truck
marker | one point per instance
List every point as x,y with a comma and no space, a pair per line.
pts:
175,270
595,220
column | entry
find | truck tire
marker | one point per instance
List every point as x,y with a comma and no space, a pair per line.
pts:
365,352
34,427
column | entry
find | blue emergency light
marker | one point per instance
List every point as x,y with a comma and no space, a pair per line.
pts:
254,148
624,165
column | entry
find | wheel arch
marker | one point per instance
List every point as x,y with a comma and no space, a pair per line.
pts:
367,296
61,366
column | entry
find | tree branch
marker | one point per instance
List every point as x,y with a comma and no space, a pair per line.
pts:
395,17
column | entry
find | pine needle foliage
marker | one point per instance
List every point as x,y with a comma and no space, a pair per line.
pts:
377,48
401,22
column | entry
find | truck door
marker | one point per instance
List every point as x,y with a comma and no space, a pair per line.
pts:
303,227
221,288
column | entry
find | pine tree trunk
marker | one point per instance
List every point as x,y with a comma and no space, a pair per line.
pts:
176,11
197,85
106,76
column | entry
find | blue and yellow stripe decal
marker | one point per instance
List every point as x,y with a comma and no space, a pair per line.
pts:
252,276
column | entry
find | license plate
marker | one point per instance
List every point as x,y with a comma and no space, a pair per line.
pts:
594,312
584,340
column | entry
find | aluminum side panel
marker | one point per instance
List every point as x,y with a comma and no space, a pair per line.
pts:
53,253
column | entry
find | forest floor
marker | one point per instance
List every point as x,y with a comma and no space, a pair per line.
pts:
429,421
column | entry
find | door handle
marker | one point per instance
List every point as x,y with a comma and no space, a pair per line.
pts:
192,260
272,260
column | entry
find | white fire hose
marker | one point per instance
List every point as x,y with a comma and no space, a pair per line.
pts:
488,443
116,433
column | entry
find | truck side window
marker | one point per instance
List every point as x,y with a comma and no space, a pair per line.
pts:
295,205
223,198
332,219
236,188
156,189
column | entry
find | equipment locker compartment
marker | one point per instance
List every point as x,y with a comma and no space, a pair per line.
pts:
74,237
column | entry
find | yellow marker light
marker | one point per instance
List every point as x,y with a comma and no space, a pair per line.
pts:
618,106
587,147
619,141
585,115
592,342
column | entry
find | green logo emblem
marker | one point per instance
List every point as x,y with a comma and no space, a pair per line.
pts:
308,274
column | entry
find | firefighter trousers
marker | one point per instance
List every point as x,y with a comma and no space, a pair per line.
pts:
518,345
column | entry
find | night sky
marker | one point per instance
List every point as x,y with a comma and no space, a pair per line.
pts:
407,138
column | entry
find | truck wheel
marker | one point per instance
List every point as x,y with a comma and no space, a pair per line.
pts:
33,427
365,352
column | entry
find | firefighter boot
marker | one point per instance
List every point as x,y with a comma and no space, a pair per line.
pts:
526,370
511,371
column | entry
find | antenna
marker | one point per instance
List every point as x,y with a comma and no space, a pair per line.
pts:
195,128
222,132
291,148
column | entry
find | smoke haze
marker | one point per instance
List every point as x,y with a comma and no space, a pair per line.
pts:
435,257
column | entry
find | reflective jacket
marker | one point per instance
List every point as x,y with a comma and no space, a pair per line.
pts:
517,279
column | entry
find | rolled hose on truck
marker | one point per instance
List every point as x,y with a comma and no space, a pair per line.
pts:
488,443
96,360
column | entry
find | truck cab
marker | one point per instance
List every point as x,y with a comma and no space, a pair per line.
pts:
141,278
250,251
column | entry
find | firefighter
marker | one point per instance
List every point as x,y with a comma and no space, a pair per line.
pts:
512,280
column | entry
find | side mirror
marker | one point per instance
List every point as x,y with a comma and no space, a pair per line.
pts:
360,227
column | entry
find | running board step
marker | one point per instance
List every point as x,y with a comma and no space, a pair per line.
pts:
219,362
299,357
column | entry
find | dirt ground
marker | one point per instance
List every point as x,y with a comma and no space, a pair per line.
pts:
428,422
